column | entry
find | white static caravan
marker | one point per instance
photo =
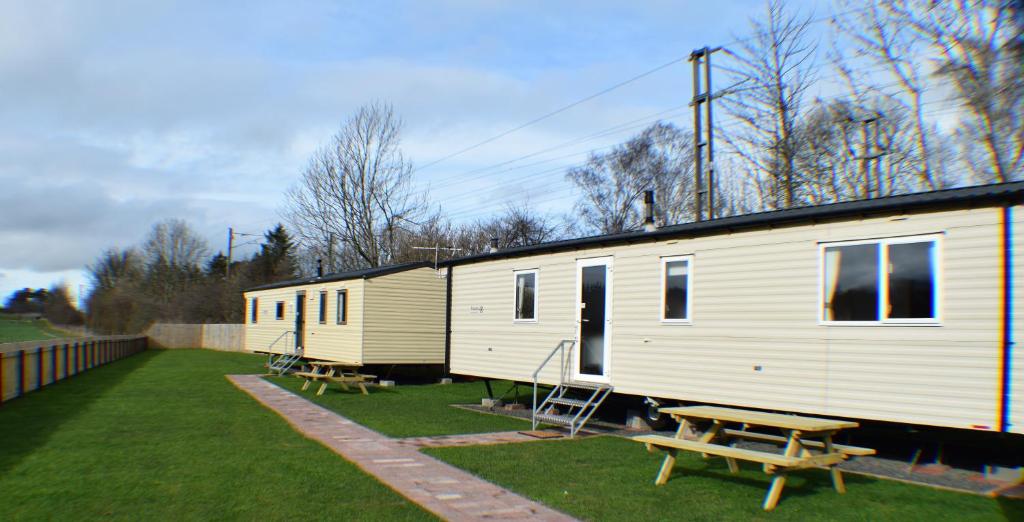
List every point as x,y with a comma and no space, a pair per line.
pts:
385,315
901,309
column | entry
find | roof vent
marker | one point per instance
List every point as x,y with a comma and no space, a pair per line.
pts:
649,225
494,245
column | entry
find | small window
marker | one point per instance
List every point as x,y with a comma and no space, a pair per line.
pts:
254,307
342,306
279,310
888,281
323,308
526,295
676,284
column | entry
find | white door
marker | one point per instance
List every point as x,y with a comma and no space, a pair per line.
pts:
593,319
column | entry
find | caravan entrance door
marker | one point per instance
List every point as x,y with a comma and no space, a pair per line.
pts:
300,320
593,319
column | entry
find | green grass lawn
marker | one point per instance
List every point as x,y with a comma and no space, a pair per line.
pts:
413,410
610,478
13,330
164,436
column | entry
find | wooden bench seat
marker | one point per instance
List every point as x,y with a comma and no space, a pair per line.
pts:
779,439
310,375
763,457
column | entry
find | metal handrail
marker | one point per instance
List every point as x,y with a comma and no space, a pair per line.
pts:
269,348
560,348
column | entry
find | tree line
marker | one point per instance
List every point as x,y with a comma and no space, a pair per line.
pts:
355,204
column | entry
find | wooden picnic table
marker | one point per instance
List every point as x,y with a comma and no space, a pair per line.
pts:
807,440
340,372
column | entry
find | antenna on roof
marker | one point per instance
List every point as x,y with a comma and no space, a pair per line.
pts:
437,249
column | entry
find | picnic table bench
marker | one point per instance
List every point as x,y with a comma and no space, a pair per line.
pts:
341,373
799,434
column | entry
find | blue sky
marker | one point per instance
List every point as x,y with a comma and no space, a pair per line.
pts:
115,115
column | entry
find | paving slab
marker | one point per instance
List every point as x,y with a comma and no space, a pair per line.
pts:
438,487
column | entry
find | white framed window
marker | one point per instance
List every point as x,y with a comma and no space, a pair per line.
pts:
342,306
677,289
881,281
525,299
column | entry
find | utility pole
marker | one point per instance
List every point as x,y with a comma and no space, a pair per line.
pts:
231,243
703,137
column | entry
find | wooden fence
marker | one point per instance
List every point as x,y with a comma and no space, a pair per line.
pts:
28,366
224,337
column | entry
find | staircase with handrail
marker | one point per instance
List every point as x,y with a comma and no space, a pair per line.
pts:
282,362
579,400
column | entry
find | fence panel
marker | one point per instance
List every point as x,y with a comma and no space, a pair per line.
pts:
31,365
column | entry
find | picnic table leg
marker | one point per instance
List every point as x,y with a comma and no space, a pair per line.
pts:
710,435
793,447
666,467
837,476
305,385
362,388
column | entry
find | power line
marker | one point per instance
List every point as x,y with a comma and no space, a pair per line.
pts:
550,114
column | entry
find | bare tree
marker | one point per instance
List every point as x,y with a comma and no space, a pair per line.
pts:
772,71
886,41
357,190
612,184
981,50
173,243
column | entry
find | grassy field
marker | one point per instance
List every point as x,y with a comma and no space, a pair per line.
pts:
412,410
15,329
164,436
610,478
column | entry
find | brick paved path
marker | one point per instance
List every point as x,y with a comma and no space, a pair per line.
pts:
444,490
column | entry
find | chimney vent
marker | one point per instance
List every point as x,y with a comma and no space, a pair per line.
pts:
494,245
319,267
649,225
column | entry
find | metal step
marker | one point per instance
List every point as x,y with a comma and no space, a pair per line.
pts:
585,385
561,420
576,403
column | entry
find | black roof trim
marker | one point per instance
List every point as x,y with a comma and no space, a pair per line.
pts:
1012,192
365,273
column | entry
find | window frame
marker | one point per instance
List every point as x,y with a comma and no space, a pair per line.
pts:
321,309
882,278
254,310
536,295
279,310
341,314
665,260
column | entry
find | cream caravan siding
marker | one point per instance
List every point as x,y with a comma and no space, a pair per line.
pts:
328,341
755,339
268,333
405,318
1017,354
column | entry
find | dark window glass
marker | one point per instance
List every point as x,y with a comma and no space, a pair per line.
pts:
526,294
253,311
342,306
912,280
280,310
676,275
323,307
851,283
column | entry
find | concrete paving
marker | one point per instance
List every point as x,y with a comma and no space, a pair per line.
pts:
440,488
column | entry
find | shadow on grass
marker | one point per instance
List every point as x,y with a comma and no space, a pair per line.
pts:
28,422
802,483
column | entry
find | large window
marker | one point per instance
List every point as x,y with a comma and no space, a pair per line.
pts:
676,288
342,306
279,310
526,295
882,281
323,308
254,307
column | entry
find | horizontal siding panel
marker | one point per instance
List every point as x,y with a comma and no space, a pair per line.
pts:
405,318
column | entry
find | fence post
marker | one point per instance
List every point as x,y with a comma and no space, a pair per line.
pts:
21,373
39,367
1,378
